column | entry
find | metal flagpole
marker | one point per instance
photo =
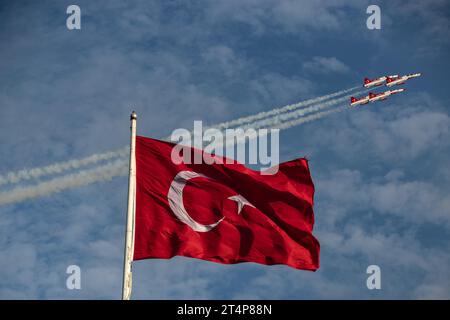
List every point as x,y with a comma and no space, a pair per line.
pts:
129,231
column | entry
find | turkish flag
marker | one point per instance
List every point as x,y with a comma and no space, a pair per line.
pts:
225,213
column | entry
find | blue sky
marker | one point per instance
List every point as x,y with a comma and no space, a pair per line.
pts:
381,171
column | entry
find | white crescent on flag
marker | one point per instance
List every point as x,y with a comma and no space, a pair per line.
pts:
175,198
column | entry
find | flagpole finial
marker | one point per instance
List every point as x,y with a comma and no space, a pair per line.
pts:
133,116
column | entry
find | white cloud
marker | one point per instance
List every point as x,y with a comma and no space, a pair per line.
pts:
288,15
414,201
275,87
326,65
223,58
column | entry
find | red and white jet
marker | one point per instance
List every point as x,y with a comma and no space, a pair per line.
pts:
372,97
383,95
378,81
355,101
392,81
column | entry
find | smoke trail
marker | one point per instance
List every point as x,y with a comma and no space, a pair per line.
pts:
276,111
114,169
281,123
279,119
293,123
315,116
81,178
60,167
26,174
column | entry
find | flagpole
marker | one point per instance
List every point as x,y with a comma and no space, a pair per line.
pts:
129,231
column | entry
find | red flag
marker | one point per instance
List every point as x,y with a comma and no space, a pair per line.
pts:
224,213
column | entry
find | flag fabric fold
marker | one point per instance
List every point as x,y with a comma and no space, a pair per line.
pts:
225,213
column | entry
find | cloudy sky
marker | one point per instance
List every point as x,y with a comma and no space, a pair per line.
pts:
381,171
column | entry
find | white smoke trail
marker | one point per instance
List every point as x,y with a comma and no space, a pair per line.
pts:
60,167
108,171
27,174
282,118
315,116
119,167
248,119
84,177
283,121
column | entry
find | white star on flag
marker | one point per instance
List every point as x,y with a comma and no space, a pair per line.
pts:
241,202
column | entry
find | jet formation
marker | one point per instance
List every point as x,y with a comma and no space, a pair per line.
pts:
389,81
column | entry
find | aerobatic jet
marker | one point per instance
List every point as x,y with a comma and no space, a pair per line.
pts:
383,95
355,101
368,83
392,81
378,96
